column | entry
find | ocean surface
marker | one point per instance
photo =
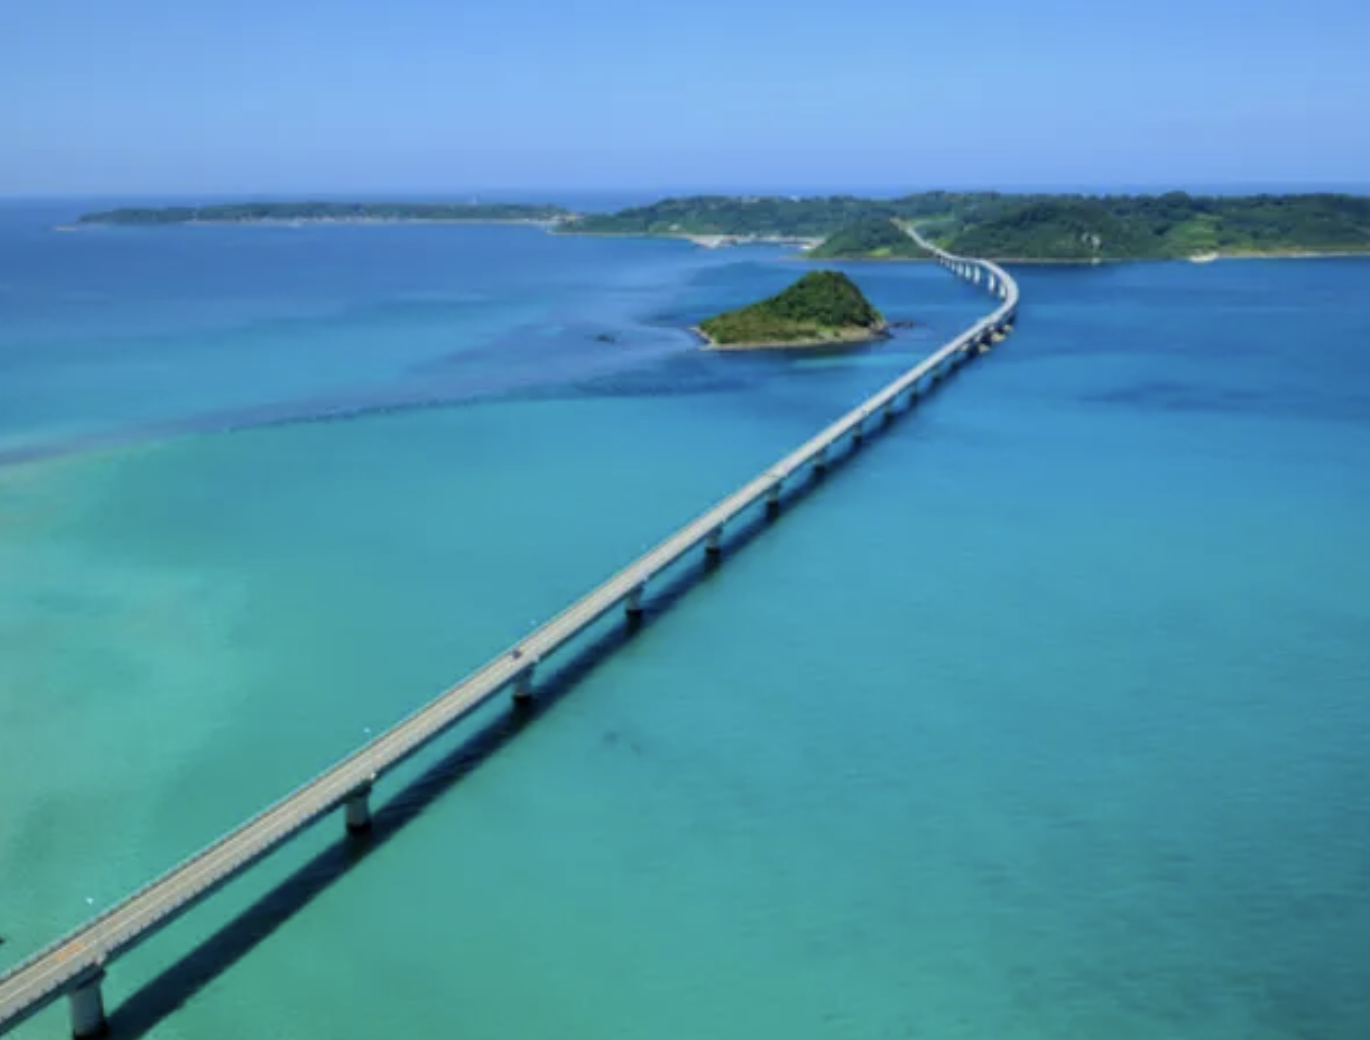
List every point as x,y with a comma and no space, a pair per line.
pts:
1045,717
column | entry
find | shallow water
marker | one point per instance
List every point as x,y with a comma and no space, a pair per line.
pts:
1043,717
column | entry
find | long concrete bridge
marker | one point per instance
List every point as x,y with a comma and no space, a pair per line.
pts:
74,966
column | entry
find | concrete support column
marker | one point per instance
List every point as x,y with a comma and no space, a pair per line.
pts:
87,1006
887,413
523,686
357,810
633,607
773,500
820,461
858,433
713,545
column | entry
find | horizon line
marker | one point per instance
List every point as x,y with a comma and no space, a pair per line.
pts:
664,191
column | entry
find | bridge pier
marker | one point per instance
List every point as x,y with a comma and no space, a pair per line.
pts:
888,412
523,687
858,433
713,546
632,608
87,1005
773,500
357,810
820,461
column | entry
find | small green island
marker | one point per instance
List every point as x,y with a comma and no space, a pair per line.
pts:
822,309
333,213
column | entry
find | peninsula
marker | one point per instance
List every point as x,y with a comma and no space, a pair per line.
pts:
824,308
1033,227
332,213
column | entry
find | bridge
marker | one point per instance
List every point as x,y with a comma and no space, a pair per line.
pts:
74,965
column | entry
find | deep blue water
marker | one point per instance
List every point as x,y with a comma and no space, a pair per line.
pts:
1045,717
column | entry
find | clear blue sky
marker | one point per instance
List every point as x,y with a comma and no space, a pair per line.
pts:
281,96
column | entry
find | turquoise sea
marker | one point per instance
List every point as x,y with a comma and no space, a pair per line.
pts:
1046,717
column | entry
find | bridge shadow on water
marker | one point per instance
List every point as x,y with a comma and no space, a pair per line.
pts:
173,988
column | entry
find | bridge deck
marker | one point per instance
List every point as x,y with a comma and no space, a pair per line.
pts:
66,963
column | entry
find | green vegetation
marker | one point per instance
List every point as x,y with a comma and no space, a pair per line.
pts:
822,307
1166,226
259,212
782,217
869,238
1029,227
989,224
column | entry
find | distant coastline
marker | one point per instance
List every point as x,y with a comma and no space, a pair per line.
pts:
704,241
296,214
1025,228
280,222
1021,229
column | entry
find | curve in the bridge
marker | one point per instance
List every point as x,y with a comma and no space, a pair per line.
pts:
74,965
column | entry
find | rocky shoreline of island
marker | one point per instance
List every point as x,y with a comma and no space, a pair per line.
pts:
839,341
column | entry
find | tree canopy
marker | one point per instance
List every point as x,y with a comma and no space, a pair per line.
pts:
1031,226
1164,226
822,307
869,238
